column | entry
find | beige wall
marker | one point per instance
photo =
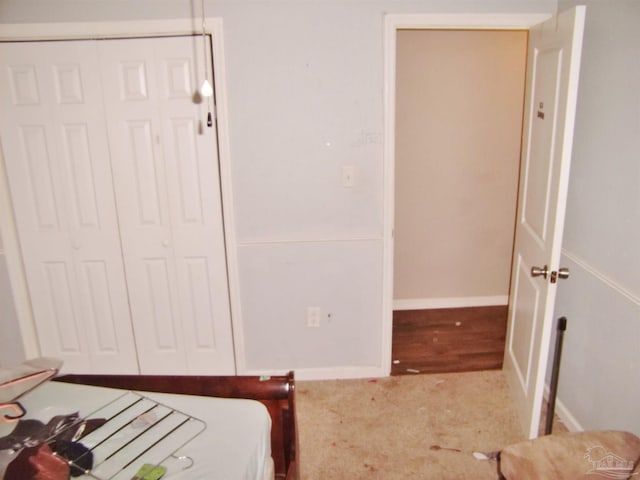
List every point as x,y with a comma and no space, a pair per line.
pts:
458,128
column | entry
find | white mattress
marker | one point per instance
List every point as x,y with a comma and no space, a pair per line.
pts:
226,439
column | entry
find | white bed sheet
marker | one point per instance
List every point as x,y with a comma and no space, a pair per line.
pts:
234,445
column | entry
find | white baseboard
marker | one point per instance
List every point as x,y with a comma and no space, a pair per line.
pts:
564,414
567,418
449,302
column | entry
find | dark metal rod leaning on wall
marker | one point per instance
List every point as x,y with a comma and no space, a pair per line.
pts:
555,370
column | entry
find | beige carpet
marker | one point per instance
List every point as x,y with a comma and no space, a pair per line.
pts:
404,427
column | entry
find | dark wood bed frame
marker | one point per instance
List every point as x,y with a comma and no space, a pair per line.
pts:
277,393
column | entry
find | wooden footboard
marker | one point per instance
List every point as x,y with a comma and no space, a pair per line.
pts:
277,393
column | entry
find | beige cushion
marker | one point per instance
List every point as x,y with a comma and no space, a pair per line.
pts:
636,471
568,456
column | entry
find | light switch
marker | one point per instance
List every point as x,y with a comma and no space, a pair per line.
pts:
348,176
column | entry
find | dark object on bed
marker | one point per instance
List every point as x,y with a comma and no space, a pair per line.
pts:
277,393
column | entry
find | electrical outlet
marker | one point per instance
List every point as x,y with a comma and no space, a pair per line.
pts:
313,317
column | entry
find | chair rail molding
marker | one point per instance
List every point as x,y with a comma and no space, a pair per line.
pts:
598,275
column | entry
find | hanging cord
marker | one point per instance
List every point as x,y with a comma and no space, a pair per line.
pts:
206,90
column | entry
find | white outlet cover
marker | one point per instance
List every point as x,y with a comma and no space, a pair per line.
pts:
313,317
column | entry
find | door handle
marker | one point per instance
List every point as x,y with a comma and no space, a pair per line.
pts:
537,271
562,273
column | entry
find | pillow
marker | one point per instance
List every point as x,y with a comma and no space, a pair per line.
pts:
568,456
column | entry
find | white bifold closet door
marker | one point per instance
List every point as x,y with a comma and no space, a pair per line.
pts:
115,186
56,156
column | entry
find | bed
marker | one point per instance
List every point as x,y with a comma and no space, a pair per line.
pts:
227,426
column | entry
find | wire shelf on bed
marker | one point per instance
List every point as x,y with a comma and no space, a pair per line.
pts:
137,431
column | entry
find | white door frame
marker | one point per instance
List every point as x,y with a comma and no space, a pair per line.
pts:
127,29
393,23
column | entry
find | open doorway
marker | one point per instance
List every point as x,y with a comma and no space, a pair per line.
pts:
458,122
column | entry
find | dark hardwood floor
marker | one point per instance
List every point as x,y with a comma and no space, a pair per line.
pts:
448,340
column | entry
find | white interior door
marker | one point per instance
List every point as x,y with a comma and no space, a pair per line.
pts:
167,188
57,161
551,91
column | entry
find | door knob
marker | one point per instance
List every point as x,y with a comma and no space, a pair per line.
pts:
537,271
561,273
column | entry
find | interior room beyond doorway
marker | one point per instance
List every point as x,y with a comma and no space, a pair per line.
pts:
459,101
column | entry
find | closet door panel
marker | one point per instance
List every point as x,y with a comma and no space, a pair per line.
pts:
130,92
58,280
143,182
101,310
167,189
193,184
56,157
39,176
159,287
77,150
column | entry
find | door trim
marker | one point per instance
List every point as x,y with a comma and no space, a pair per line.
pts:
393,23
128,29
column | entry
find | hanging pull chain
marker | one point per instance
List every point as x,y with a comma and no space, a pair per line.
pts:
206,90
